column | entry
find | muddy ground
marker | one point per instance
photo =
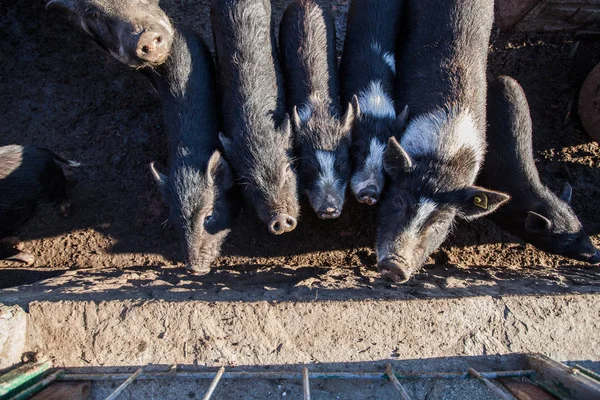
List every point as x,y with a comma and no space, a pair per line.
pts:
60,90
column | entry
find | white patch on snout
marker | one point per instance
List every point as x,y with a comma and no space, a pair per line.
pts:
425,208
372,168
388,57
444,132
358,186
327,176
374,101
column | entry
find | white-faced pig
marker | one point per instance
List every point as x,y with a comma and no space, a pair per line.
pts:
257,133
199,188
432,169
534,213
367,71
28,175
136,32
321,134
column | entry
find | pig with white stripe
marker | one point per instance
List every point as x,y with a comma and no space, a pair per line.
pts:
367,73
431,171
322,136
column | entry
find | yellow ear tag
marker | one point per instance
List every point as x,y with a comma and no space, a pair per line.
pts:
481,201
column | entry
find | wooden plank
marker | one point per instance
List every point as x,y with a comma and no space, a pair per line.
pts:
562,381
525,390
65,391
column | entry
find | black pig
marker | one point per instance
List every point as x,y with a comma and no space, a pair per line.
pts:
136,32
28,175
441,75
534,213
322,139
257,132
367,73
199,189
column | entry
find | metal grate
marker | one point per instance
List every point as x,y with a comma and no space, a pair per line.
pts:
561,380
305,375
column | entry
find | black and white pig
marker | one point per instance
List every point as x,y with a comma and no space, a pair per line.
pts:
432,169
367,71
136,32
257,133
321,135
534,213
199,188
28,175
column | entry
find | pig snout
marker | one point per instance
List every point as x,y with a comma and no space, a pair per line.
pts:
152,47
368,195
595,258
395,268
329,212
200,267
282,223
199,264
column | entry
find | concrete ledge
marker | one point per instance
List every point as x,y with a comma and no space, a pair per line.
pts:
13,324
130,332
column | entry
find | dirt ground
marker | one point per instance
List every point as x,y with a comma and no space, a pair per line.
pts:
61,91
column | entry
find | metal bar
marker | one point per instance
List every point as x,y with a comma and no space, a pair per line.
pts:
124,385
13,379
390,374
305,383
291,375
30,391
495,389
585,371
214,383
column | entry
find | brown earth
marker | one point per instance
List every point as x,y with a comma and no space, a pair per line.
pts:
61,91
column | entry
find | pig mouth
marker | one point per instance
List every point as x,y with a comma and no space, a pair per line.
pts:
395,268
591,259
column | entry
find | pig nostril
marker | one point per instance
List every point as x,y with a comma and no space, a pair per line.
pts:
145,49
276,226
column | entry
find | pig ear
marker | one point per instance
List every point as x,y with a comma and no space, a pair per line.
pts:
225,142
160,178
348,119
356,107
396,161
537,223
60,5
401,120
296,119
477,202
219,170
566,193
